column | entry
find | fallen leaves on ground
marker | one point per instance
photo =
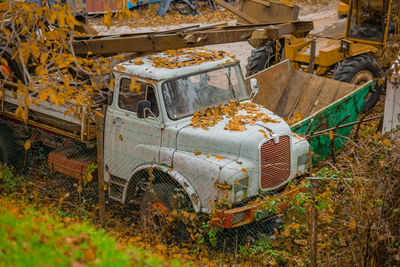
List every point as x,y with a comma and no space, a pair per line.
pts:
34,236
149,18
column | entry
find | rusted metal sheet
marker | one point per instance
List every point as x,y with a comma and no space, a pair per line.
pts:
288,91
160,41
96,6
269,11
51,117
243,16
254,211
74,166
319,103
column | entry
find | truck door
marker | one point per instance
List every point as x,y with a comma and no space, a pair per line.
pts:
134,141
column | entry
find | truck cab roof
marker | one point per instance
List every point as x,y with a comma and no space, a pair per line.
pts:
174,63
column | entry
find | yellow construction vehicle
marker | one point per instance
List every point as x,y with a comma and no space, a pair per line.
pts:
346,53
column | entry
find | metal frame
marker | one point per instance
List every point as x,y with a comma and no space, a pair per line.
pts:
389,11
194,36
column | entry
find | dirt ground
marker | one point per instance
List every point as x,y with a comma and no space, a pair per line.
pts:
309,10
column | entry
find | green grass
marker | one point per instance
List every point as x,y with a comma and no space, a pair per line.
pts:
32,237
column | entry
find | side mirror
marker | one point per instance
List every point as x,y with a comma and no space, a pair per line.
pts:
142,105
254,87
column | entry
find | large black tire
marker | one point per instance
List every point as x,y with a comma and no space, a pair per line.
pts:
157,204
260,59
358,70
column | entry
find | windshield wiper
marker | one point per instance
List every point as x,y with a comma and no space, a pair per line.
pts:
231,85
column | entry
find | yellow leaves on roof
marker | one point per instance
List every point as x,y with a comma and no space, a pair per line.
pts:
178,58
211,116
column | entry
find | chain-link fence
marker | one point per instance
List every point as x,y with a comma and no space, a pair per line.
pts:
150,203
152,200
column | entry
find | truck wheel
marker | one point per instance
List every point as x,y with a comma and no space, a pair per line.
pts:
260,59
359,70
156,206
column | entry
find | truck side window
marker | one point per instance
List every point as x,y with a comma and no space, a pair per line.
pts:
129,98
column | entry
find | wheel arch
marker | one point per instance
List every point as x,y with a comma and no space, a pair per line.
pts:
172,176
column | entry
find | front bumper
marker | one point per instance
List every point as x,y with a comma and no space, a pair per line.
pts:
236,217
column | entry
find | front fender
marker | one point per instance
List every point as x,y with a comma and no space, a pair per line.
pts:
178,177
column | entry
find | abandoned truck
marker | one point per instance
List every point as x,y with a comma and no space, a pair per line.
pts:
152,128
181,120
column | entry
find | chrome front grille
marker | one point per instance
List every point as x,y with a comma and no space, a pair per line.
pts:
275,163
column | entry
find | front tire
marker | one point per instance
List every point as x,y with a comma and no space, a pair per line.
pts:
156,207
359,70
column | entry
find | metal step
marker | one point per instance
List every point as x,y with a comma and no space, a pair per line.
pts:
116,189
118,183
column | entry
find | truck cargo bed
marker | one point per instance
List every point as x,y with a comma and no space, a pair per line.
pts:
53,118
319,102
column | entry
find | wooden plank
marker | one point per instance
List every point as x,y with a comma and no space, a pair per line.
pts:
294,94
261,2
287,91
391,118
100,166
156,43
272,83
236,11
312,57
276,12
160,41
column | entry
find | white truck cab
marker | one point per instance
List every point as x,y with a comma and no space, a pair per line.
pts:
185,117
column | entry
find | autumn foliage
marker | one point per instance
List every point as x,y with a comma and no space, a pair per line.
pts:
357,202
37,48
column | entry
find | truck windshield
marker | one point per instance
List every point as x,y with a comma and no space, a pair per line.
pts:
185,95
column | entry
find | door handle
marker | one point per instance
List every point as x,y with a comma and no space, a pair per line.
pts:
117,121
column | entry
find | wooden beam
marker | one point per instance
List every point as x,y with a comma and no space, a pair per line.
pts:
100,166
236,11
261,2
160,41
